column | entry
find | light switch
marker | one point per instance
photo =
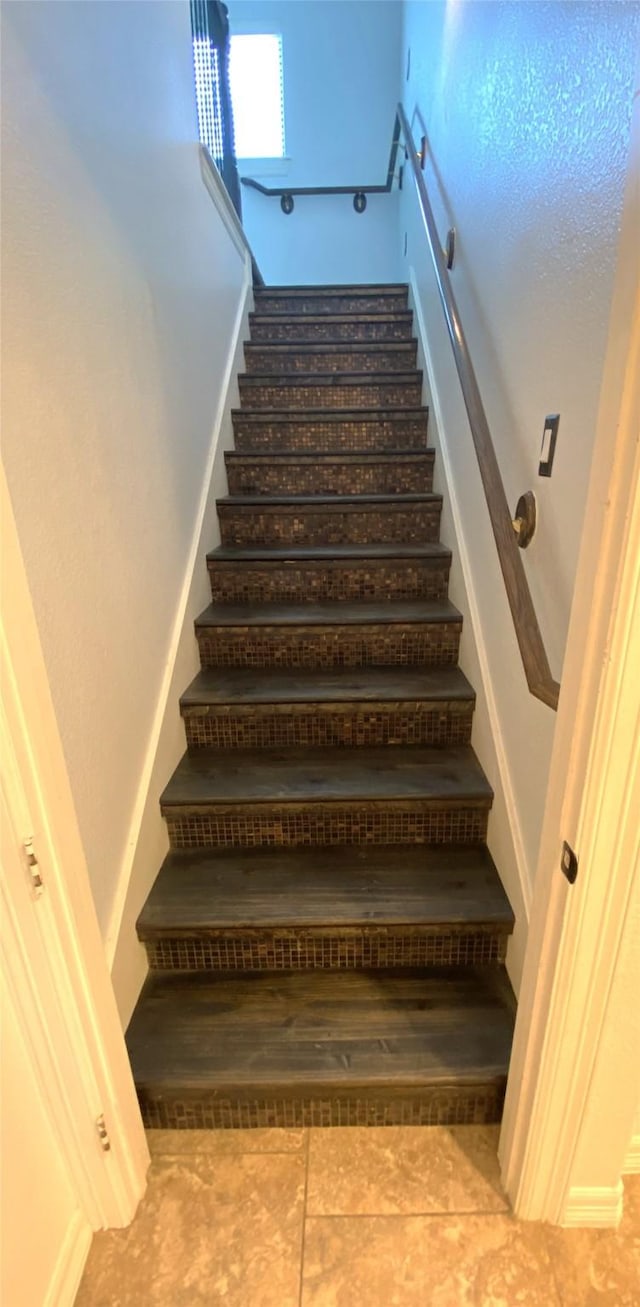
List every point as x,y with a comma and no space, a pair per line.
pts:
548,449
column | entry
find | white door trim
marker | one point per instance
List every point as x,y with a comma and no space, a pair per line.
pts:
562,1151
53,954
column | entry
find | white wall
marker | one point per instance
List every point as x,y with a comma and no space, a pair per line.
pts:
527,109
341,86
122,290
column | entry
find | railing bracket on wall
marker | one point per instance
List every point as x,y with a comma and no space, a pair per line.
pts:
286,203
359,201
524,522
449,250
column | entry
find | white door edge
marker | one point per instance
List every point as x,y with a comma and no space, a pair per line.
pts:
53,953
576,1028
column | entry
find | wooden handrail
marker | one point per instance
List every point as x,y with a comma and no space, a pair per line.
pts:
532,651
335,190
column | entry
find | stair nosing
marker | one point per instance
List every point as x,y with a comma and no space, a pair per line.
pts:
333,414
432,550
385,687
331,456
346,614
332,500
337,288
330,346
410,377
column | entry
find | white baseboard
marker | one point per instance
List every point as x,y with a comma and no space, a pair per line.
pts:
71,1263
597,1207
465,553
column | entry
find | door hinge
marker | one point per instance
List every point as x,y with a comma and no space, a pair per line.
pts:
103,1134
569,863
33,867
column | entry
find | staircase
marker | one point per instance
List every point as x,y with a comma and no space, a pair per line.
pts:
327,933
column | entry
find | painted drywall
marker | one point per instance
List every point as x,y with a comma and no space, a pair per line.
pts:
121,290
527,110
126,955
341,83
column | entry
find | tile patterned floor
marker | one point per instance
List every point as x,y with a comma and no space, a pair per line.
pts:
397,1217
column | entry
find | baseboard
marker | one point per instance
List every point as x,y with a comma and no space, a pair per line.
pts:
599,1207
163,744
71,1263
464,554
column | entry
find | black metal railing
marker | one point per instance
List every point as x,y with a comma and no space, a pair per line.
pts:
286,193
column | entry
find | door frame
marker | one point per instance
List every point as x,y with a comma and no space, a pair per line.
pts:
54,955
574,1080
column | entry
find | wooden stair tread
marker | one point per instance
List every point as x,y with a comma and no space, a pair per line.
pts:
277,1033
328,775
326,553
331,501
330,346
333,288
298,415
260,317
249,685
338,613
258,379
331,456
200,890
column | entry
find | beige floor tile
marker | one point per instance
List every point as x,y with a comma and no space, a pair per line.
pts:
426,1261
399,1170
600,1268
181,1143
209,1231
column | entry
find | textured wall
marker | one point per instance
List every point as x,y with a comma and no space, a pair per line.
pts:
120,291
341,86
527,109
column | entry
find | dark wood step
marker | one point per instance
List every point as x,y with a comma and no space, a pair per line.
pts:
328,519
244,708
330,357
312,328
327,796
318,473
392,633
325,430
329,572
318,300
294,909
322,1048
355,390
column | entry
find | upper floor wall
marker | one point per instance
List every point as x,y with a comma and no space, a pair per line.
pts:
341,85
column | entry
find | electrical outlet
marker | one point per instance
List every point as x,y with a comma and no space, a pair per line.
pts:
548,447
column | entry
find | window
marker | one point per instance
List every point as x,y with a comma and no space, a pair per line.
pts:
255,76
206,64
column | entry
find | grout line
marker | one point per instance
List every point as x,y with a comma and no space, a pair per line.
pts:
402,1216
233,1152
304,1214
